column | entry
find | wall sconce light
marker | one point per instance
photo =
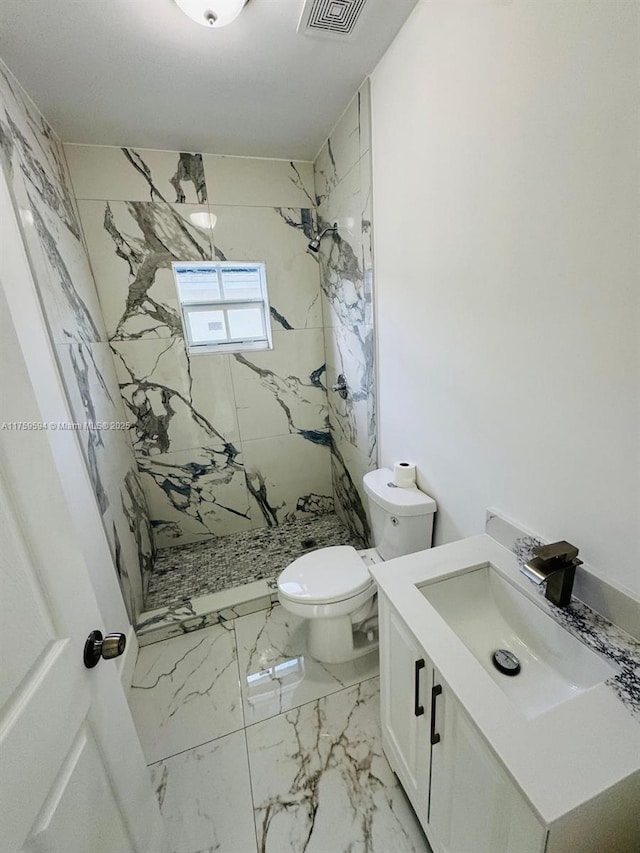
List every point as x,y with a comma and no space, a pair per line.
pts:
211,13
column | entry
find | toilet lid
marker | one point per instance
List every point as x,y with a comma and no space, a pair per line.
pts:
326,575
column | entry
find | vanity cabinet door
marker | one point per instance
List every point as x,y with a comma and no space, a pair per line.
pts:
474,805
405,691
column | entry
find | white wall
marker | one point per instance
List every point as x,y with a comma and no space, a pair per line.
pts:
506,175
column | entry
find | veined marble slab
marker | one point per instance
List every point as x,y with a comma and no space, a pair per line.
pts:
321,782
256,182
282,392
277,236
276,671
205,797
341,256
350,503
350,353
288,476
343,194
132,245
185,692
349,140
195,493
33,160
175,403
185,410
129,174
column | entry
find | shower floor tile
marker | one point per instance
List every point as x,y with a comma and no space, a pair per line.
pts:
185,572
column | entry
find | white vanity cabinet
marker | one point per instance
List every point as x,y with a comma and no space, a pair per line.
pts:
474,805
405,687
462,795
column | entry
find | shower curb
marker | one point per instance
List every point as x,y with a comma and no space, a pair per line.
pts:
215,608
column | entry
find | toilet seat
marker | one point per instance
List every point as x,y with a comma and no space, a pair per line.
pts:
328,575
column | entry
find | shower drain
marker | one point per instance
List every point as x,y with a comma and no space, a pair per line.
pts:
506,662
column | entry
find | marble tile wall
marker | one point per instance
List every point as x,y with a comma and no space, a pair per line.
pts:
34,163
224,443
342,174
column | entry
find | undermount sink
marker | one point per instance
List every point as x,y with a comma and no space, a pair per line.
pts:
489,613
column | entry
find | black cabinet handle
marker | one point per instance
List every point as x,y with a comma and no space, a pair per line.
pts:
436,690
418,709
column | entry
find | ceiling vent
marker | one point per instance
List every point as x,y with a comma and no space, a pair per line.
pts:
330,18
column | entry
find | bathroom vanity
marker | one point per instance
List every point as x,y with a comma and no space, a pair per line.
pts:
546,760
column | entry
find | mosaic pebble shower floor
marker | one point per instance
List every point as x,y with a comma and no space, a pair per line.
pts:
188,571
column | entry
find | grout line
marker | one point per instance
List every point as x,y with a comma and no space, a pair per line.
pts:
251,791
313,701
246,727
194,204
240,680
195,746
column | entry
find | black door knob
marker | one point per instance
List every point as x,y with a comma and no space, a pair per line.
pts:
97,646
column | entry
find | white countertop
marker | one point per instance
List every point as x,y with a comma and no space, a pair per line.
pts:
560,758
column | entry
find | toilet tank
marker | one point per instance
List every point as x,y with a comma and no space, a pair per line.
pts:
401,519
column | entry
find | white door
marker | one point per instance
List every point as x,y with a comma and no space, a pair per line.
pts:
72,775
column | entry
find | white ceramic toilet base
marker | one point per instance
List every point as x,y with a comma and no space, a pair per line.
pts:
334,640
332,587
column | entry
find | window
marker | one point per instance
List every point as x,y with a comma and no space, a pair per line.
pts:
225,306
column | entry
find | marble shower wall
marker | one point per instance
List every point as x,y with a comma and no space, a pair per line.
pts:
342,174
34,163
224,443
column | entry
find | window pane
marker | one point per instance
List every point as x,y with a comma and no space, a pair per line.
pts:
241,283
224,305
246,323
197,284
206,326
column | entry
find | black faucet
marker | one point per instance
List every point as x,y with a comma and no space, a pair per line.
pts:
554,565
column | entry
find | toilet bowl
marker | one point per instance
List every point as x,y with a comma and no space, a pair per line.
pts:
332,588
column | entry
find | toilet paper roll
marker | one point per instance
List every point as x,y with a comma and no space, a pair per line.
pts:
404,475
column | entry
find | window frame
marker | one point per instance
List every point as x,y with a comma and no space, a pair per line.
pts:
230,345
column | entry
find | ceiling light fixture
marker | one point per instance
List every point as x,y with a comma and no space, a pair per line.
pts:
203,220
212,13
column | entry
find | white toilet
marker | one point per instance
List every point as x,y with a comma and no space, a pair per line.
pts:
332,587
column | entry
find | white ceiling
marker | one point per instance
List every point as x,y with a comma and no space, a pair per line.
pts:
140,73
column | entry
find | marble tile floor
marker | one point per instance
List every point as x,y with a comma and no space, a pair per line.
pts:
188,571
253,746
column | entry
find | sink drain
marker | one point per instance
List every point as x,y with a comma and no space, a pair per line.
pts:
506,662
